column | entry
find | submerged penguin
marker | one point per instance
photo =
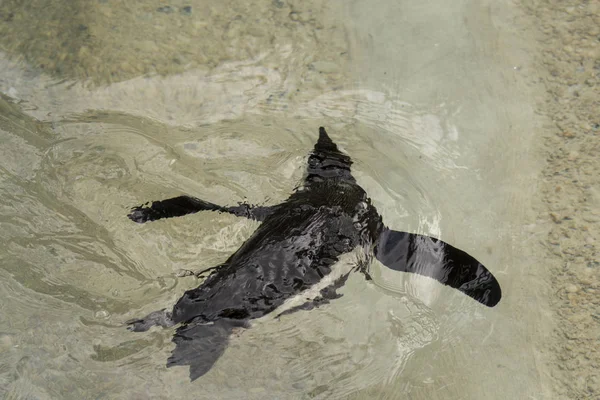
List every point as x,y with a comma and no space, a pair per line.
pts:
293,252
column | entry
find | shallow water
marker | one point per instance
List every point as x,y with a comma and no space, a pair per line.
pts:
429,100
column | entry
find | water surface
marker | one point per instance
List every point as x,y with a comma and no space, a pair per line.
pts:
428,99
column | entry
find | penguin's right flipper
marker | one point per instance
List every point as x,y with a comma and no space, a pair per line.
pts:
431,257
183,205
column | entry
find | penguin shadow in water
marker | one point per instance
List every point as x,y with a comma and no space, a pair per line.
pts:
294,252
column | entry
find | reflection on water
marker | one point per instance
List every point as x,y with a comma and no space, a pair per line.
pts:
235,126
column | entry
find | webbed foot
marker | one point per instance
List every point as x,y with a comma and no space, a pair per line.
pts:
160,318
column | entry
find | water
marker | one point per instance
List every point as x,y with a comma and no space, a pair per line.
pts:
121,105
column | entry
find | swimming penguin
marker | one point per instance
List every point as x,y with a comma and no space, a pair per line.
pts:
293,251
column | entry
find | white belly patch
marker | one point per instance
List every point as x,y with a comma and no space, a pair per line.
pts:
345,264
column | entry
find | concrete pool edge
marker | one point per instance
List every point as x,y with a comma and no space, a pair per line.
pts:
568,204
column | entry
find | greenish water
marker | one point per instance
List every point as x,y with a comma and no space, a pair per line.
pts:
130,104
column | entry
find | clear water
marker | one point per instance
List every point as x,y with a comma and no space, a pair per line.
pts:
428,99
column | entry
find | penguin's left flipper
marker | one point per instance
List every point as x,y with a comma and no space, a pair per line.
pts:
184,205
431,257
